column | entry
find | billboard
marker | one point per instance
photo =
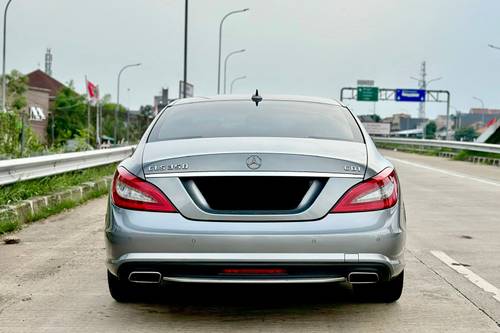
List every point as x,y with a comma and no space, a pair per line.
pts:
378,128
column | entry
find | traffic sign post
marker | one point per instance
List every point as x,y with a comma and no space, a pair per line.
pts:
189,89
375,94
367,94
410,95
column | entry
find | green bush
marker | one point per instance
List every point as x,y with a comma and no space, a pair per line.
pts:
10,137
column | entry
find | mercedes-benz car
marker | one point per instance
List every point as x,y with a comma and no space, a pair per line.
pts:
256,189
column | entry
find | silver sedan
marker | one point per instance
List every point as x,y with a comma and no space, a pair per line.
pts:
240,189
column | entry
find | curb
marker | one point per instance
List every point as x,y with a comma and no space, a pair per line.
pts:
20,212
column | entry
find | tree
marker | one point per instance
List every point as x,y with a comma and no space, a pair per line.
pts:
430,130
465,134
70,116
17,86
108,120
146,115
16,138
376,118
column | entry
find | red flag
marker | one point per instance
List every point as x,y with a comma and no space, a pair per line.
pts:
92,91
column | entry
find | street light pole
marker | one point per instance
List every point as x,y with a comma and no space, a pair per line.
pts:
225,64
4,81
482,106
457,117
128,117
220,42
234,80
185,47
117,108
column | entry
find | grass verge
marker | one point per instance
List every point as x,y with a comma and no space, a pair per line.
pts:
12,224
8,226
464,155
42,186
410,149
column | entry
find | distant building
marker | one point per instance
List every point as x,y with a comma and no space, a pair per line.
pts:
441,122
38,115
40,79
42,91
484,111
369,118
476,119
402,122
159,102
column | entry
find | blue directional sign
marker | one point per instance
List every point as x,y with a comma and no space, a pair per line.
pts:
410,95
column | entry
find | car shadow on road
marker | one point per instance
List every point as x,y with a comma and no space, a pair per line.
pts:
232,301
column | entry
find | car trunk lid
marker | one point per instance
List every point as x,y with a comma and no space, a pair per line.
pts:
254,178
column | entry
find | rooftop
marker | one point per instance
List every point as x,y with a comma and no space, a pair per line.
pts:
40,79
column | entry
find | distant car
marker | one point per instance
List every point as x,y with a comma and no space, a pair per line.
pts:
280,189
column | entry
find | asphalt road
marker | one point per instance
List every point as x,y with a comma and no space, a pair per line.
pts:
55,281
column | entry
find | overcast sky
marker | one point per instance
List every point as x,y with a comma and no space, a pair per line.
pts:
312,47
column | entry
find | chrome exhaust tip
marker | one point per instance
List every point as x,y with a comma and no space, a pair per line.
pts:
362,277
144,277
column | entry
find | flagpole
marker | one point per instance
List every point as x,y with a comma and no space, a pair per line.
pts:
88,109
100,122
97,121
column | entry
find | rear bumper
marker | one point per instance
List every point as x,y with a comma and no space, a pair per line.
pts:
341,242
300,267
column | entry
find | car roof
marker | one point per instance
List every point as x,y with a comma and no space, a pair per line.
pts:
284,98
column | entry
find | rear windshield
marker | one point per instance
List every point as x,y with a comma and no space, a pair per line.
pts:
244,119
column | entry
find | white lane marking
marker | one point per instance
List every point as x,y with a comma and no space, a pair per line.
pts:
469,275
449,173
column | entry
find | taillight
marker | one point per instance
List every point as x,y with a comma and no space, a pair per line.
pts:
131,192
378,192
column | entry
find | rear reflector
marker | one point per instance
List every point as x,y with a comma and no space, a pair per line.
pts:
254,271
378,192
131,192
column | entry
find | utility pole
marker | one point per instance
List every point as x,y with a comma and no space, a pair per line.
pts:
185,47
48,62
422,84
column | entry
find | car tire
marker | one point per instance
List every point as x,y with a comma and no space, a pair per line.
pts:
384,292
121,291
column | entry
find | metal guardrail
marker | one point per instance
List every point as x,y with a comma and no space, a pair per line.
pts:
19,169
474,146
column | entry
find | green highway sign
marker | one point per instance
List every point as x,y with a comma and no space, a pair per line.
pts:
367,94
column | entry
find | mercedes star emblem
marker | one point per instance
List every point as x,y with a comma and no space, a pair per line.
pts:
254,162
